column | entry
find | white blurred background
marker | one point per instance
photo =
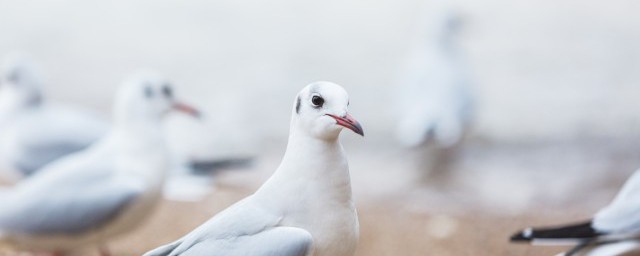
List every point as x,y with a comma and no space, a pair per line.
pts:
556,87
542,69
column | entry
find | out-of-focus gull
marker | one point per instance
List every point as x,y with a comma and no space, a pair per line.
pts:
198,157
193,180
619,221
305,208
34,132
106,190
434,95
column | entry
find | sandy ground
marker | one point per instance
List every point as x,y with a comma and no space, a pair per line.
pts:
384,231
406,216
491,191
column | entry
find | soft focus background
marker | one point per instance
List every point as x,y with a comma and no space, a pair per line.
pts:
556,86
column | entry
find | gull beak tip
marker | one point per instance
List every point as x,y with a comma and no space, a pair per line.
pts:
349,122
187,109
359,130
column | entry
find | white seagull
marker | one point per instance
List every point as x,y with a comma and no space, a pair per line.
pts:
34,132
435,98
306,207
618,222
86,198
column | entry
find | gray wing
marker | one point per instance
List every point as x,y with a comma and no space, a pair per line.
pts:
36,156
65,210
54,132
279,241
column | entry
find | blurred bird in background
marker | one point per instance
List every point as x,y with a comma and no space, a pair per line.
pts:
87,198
615,227
435,98
196,160
33,131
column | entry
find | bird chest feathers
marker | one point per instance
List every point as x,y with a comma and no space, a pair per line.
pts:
336,233
329,216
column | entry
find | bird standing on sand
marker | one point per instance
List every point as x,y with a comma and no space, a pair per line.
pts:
435,98
435,101
89,197
306,207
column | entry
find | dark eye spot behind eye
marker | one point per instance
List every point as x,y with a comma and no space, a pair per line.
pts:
13,77
148,92
298,105
167,91
317,101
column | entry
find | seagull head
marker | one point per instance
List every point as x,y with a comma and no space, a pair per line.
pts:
19,82
148,96
320,110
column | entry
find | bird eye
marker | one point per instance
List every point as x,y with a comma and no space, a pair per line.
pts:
13,77
317,101
148,92
167,91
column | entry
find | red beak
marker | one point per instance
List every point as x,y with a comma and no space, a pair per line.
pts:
349,122
179,106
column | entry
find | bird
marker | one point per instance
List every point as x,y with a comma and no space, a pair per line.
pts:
86,198
306,206
434,96
33,131
617,222
193,180
198,159
435,103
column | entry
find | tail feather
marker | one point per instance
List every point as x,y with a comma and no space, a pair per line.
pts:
164,250
208,167
576,233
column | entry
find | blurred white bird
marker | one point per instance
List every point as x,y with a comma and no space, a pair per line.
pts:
193,180
435,99
34,132
197,159
89,197
618,222
306,207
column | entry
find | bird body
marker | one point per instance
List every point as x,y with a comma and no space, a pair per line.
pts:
317,179
435,99
33,131
89,197
305,207
38,136
86,183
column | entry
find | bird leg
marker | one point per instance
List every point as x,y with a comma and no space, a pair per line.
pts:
55,253
577,248
104,251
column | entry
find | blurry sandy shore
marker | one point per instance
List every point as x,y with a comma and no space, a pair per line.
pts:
491,191
384,232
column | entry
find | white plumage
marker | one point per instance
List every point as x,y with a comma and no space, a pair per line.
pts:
87,198
306,207
33,131
435,99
